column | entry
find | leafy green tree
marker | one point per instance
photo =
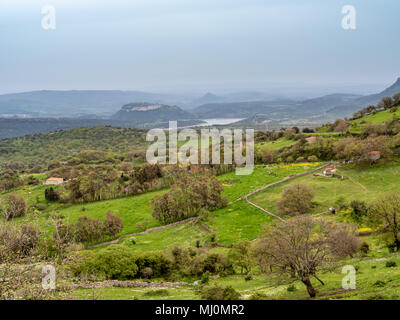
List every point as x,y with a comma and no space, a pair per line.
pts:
384,213
296,199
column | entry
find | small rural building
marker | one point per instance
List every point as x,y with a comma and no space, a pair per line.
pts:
329,172
54,181
311,139
374,155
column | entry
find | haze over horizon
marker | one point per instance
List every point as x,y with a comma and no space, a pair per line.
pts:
199,46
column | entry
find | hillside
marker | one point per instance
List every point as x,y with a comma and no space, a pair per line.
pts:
348,109
150,112
41,149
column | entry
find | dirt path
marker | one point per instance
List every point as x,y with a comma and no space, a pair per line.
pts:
356,182
142,233
126,284
245,197
266,211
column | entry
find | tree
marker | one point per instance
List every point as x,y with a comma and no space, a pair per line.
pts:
51,195
113,224
396,98
240,255
188,197
14,207
302,246
385,214
386,103
340,125
296,199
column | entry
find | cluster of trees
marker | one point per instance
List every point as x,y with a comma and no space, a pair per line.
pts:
39,151
191,195
385,104
88,184
85,230
383,138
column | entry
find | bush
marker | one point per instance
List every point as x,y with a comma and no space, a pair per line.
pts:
219,293
113,224
89,229
379,283
156,293
14,207
115,262
51,195
153,265
296,199
205,278
391,264
17,241
291,288
249,277
364,247
359,210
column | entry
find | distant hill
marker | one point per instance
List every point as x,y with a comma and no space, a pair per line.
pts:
278,109
346,110
20,127
239,109
150,112
49,103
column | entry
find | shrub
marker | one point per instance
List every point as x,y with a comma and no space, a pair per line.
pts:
156,293
115,262
359,210
379,283
51,195
205,278
14,207
391,264
312,159
17,240
146,273
219,293
89,229
296,199
364,247
291,288
113,224
153,265
248,277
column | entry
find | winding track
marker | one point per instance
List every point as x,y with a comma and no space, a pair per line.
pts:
245,197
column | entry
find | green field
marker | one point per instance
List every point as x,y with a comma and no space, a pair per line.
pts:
377,118
276,145
377,180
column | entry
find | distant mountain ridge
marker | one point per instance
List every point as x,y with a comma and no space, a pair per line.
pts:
151,112
348,109
53,103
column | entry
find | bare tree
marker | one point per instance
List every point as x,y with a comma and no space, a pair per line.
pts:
301,247
13,207
385,213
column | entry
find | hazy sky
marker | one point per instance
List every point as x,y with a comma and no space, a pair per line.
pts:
197,44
